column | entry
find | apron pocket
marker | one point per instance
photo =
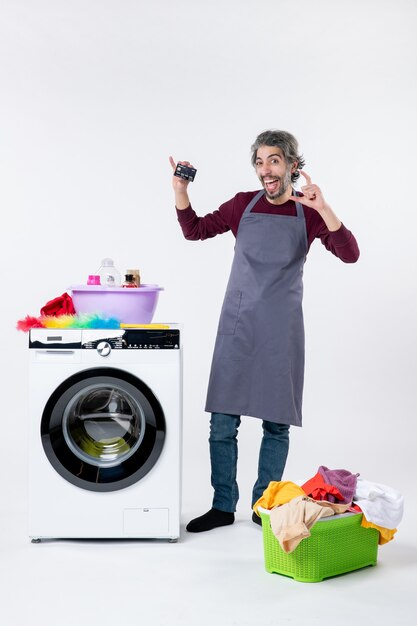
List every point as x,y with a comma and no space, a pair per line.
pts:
230,313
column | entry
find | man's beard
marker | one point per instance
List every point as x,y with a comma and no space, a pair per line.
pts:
283,185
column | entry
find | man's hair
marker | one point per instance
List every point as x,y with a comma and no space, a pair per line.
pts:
287,143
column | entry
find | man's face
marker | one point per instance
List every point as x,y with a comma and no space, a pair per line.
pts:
273,171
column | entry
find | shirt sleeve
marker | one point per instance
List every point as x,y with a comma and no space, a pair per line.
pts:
210,225
341,242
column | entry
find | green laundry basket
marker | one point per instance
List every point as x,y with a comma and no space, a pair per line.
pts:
336,546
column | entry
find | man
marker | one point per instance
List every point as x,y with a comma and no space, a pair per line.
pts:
258,361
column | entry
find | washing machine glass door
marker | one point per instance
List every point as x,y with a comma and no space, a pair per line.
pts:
103,429
104,424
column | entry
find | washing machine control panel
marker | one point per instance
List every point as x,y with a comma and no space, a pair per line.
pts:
133,339
104,341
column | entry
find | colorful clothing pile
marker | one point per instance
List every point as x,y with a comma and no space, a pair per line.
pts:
295,509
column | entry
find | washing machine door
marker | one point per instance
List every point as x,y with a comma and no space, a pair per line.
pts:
103,429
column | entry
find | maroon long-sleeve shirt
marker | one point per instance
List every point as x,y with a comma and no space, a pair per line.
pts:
341,243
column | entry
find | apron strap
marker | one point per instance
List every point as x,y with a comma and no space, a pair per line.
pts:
298,205
253,202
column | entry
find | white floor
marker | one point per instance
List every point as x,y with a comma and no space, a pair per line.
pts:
209,578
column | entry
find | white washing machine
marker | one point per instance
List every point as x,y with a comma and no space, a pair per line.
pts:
105,433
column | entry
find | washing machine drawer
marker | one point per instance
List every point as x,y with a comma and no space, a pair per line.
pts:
147,522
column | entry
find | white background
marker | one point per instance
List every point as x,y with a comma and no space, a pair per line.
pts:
95,95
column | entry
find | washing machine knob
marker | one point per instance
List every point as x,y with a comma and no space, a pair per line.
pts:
104,348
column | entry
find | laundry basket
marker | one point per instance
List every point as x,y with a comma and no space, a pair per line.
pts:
336,545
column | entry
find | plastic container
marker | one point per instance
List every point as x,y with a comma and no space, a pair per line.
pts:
109,275
336,545
130,306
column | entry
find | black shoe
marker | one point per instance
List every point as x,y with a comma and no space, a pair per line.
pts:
256,519
212,519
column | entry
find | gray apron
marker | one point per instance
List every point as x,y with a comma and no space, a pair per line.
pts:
258,360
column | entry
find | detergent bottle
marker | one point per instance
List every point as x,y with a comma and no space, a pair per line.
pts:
136,276
109,275
129,281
